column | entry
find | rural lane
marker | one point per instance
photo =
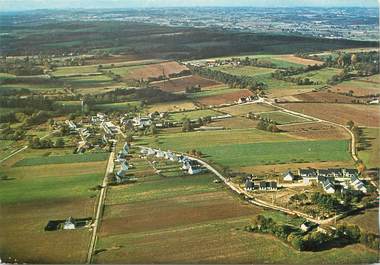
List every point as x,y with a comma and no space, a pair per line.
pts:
99,208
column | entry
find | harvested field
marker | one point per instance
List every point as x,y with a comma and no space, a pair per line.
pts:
298,60
281,117
235,123
238,110
180,84
172,106
360,87
244,70
227,98
362,115
368,220
315,131
324,97
156,70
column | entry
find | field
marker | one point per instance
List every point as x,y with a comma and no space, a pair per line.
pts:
362,115
150,70
359,87
321,97
297,60
320,76
193,115
75,70
249,147
244,70
367,220
226,98
34,195
172,106
63,159
315,131
122,106
282,118
172,213
180,84
238,110
370,154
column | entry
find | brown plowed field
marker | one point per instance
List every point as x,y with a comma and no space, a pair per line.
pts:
362,115
180,84
294,59
324,97
224,98
156,70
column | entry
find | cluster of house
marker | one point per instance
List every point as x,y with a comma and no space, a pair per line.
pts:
121,175
99,118
137,122
215,63
331,180
251,185
68,224
73,128
189,165
109,128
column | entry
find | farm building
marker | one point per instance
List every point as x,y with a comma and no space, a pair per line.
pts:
249,185
288,176
69,224
268,186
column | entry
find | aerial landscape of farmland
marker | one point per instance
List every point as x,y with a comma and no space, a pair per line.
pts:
155,134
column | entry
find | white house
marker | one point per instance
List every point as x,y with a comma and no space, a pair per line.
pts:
69,224
288,176
328,186
141,123
160,154
195,170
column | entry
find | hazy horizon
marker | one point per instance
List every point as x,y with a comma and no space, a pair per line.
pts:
17,5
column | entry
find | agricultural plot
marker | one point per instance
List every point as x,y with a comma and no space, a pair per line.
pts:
315,131
225,98
238,110
362,115
324,97
320,76
62,159
244,70
297,60
282,118
75,70
367,220
369,148
172,106
122,106
359,87
88,81
180,84
193,115
32,196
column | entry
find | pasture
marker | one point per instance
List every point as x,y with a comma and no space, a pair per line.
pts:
370,150
359,87
193,115
367,220
238,110
225,98
320,76
281,117
122,106
34,195
244,70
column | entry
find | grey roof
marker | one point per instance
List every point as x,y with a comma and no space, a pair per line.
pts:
249,184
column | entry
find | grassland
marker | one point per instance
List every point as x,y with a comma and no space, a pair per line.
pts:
368,220
320,76
282,118
244,70
75,70
62,159
122,106
247,108
193,115
370,153
167,219
34,195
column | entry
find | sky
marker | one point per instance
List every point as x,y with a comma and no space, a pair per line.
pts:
12,5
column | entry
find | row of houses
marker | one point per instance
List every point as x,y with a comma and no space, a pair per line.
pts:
331,180
109,128
189,165
250,185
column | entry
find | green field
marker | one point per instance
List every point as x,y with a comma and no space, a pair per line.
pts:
75,70
370,154
193,115
247,108
244,70
122,106
212,92
62,159
33,195
282,118
320,76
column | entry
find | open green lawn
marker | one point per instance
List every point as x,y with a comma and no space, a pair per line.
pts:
244,70
212,92
62,159
89,81
320,76
193,115
124,71
282,118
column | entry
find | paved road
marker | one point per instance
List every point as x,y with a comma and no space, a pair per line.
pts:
99,208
